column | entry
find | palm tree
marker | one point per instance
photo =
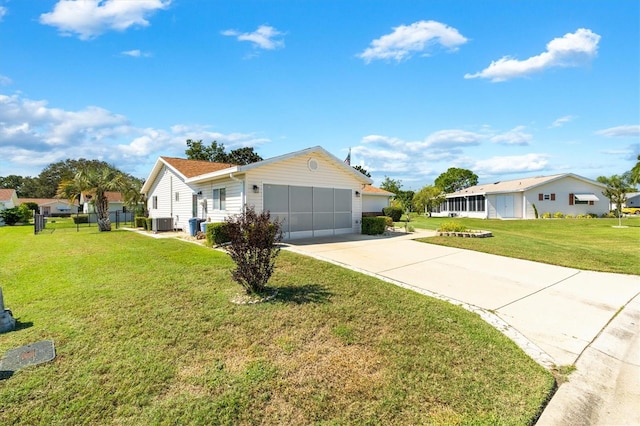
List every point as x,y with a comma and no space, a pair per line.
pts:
94,181
616,191
133,198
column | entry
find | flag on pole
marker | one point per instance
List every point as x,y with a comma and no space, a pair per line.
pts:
347,160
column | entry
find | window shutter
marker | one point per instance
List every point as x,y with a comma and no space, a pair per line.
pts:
540,197
553,197
591,202
570,199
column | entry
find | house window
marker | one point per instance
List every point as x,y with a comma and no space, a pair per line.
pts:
220,199
542,197
155,201
177,198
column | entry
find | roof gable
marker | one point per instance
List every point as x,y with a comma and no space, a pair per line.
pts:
7,194
193,168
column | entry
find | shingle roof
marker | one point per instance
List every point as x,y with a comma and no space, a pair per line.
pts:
191,168
515,185
6,194
372,190
42,201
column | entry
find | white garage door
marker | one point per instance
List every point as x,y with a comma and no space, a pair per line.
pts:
309,211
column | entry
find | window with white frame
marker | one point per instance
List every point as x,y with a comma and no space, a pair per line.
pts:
155,201
220,199
177,196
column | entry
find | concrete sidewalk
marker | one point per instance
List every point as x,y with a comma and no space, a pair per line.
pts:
557,315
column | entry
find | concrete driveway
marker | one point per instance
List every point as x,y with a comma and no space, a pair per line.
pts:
555,314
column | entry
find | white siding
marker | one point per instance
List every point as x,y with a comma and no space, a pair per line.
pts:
234,202
562,188
374,203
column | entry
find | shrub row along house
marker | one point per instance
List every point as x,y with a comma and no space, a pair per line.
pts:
567,193
311,191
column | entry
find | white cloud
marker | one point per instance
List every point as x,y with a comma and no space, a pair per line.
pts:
90,18
34,134
4,80
3,12
511,164
405,40
515,136
453,138
265,37
562,120
136,53
632,131
570,50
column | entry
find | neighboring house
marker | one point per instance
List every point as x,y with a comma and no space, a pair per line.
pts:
633,199
374,200
312,191
52,207
8,200
566,193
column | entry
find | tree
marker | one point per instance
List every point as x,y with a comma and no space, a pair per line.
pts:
455,179
217,154
635,173
253,246
243,156
391,185
617,189
94,181
362,170
133,199
428,198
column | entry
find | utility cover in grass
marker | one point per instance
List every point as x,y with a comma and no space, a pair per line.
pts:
24,356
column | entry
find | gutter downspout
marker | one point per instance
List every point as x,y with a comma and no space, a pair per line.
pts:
242,193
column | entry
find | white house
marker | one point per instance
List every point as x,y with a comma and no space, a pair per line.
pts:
312,191
565,193
8,200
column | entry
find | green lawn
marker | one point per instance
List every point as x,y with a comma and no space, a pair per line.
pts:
590,244
145,334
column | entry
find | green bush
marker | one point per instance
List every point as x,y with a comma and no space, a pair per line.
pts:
568,216
558,215
141,222
374,225
546,215
80,218
452,226
11,216
253,246
148,224
394,213
216,234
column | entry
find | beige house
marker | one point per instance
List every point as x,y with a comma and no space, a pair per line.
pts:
311,191
52,206
520,198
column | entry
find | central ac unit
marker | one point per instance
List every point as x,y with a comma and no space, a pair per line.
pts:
161,224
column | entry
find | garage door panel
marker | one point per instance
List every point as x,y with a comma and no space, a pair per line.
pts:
323,200
300,199
309,211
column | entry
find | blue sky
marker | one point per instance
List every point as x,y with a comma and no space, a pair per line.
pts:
506,89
